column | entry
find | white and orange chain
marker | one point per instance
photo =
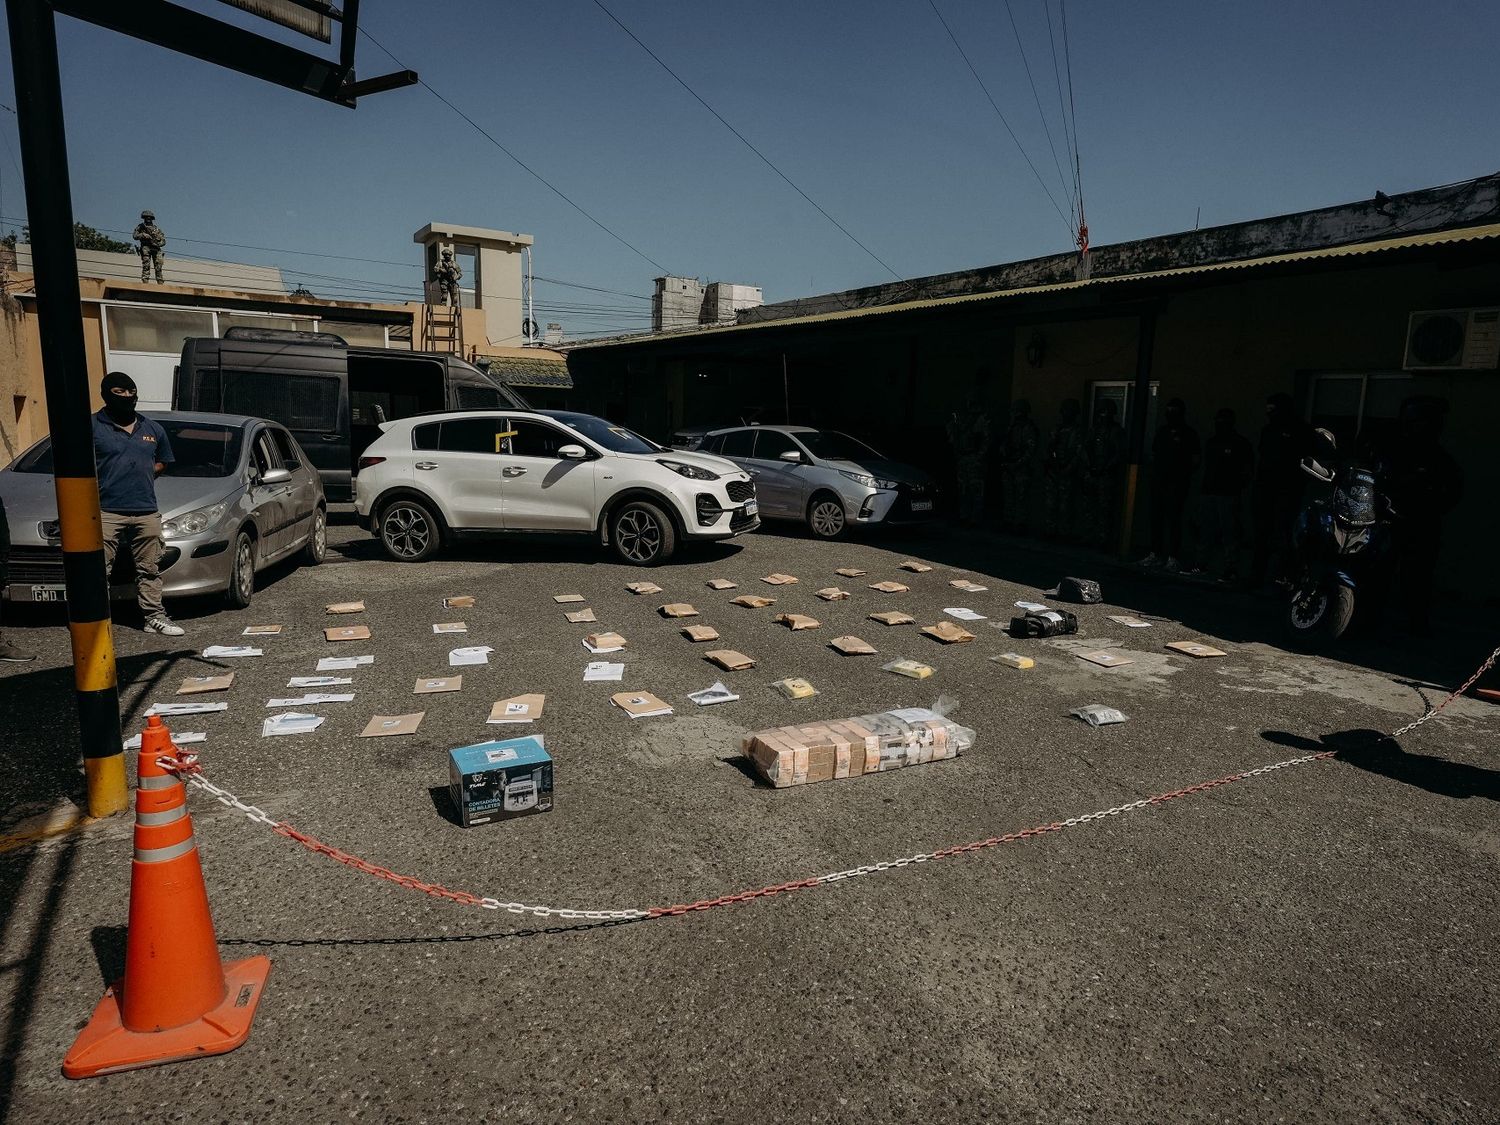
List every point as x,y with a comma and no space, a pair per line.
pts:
186,766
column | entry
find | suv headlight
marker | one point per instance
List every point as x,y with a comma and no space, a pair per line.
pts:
867,480
195,522
692,472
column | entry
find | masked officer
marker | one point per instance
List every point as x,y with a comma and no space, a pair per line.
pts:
1062,463
1276,496
1425,483
1174,456
1018,466
447,275
1228,468
969,434
1103,458
130,450
153,245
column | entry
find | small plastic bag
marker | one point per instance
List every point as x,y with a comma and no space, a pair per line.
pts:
795,688
905,667
1098,715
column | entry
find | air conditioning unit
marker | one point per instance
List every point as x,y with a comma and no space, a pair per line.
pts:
1453,340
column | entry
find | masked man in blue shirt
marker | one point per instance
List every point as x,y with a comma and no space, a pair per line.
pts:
130,450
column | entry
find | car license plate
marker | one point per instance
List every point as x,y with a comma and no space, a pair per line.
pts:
752,507
47,593
921,505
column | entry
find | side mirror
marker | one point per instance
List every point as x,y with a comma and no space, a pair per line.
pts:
573,453
276,476
793,455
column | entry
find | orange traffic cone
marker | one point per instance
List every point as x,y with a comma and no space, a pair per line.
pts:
178,1000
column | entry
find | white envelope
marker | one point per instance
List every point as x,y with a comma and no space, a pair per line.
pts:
186,708
231,650
343,663
319,681
964,614
309,699
290,722
601,670
474,654
710,695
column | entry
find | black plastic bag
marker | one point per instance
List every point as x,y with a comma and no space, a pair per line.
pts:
1082,591
1048,623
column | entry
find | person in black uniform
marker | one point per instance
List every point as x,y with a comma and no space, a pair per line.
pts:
1174,456
1424,483
1228,468
1276,496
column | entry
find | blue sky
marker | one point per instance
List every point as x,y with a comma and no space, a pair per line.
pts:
1240,109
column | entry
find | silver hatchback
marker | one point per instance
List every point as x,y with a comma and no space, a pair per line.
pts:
823,478
240,496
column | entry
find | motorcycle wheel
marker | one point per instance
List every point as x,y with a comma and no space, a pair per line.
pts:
1322,614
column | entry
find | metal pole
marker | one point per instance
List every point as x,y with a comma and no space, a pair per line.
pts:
1145,344
786,392
49,205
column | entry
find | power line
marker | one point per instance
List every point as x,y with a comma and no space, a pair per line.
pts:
521,163
1062,108
993,105
1047,129
745,141
1073,116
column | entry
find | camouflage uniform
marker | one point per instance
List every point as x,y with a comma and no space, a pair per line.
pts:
969,433
1104,456
152,246
447,275
1062,465
1018,465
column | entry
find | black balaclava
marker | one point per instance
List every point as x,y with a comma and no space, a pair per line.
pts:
1176,412
120,408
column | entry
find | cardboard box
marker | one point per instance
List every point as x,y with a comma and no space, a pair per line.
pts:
828,751
502,780
348,633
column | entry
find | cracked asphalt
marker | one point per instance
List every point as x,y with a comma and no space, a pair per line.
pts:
1314,944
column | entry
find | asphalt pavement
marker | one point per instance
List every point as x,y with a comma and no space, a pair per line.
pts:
1315,943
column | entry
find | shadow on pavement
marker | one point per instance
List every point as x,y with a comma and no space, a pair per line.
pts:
541,547
109,951
433,939
1375,753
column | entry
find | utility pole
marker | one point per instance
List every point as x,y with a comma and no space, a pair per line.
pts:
49,204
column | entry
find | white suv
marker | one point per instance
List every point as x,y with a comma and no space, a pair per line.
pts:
456,473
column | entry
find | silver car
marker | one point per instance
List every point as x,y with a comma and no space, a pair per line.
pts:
240,496
824,478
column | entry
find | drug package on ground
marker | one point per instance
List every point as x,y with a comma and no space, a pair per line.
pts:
492,781
804,753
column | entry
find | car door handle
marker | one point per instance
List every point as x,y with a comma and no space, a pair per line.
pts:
426,464
328,437
753,472
513,471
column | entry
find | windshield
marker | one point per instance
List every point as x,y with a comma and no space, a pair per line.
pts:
202,449
616,439
830,445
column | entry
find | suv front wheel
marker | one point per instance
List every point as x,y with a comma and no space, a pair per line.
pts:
642,534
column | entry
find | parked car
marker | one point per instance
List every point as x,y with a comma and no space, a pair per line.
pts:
823,478
240,496
331,396
433,478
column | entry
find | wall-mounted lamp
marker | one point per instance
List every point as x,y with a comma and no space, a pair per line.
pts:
1036,349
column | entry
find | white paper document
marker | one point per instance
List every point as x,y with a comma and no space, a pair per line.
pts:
710,695
343,663
1031,607
603,648
964,614
179,738
290,722
231,650
311,698
474,654
319,681
602,670
186,708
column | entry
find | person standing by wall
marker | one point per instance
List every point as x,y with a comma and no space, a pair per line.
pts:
9,653
1104,458
1425,483
1276,496
130,450
1228,469
1018,467
1174,456
448,274
969,435
152,248
1062,465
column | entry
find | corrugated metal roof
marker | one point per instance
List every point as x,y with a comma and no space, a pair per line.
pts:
1354,249
530,371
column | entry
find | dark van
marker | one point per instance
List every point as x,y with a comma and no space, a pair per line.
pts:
333,397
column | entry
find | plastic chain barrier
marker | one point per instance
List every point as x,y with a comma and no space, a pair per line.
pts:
186,766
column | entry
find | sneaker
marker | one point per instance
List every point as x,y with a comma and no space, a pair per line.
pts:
164,625
13,655
1151,560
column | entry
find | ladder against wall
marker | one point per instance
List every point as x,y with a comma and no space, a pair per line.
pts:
442,324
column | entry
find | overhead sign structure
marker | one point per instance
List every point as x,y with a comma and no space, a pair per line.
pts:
310,17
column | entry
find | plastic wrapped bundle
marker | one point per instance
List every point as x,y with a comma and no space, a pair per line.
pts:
826,751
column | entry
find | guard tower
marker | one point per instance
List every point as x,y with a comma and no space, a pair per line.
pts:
490,290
